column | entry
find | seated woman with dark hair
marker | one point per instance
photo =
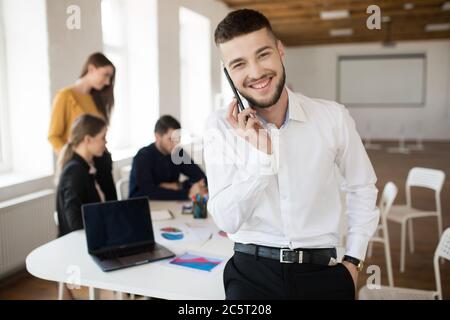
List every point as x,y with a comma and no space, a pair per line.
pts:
76,173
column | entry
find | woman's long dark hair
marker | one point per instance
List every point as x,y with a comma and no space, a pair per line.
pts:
104,99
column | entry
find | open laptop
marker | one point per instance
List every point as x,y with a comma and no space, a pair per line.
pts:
119,234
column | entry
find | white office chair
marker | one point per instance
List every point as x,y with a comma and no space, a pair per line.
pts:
125,171
392,293
122,187
404,214
387,199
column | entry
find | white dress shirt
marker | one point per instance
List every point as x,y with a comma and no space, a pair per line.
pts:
292,198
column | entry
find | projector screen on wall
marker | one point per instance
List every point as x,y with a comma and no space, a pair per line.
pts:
382,80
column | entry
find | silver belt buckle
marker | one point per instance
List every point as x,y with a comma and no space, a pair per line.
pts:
282,251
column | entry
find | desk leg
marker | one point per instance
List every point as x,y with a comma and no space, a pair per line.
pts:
94,293
60,290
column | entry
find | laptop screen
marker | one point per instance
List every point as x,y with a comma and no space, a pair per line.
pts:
117,224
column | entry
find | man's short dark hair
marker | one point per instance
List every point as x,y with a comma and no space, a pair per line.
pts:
165,123
241,22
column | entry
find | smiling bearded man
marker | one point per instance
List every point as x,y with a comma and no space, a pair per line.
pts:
282,205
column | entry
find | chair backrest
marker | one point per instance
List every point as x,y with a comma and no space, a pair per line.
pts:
442,251
425,178
387,199
125,171
122,187
55,218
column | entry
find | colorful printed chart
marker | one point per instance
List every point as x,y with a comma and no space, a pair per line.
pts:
170,233
196,262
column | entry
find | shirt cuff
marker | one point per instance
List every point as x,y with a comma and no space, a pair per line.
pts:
357,246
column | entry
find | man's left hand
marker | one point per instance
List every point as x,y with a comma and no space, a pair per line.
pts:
352,269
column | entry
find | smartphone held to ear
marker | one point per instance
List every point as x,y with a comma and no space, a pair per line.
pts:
240,100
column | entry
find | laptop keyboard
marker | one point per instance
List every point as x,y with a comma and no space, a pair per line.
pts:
117,253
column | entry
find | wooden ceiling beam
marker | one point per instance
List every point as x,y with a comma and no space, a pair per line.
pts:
273,9
394,13
300,19
298,41
396,21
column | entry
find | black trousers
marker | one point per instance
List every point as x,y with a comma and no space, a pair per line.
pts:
247,277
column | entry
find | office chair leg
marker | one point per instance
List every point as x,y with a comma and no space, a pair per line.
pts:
439,219
411,236
369,249
402,247
387,253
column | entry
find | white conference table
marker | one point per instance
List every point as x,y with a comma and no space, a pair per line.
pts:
67,260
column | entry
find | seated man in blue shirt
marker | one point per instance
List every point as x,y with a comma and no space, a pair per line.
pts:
156,176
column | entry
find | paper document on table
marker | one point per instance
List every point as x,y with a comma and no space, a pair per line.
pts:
160,215
197,261
169,234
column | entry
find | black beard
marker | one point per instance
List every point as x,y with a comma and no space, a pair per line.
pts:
279,90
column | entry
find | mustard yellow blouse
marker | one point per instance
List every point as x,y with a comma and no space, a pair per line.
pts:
67,106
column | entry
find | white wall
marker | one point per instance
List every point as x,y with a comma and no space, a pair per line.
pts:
312,71
68,49
169,54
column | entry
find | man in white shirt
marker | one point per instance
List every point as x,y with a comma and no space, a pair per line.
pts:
273,172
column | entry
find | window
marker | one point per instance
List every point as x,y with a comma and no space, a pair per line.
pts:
4,164
24,92
114,45
195,78
130,42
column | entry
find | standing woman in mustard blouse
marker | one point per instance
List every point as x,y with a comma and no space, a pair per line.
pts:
92,93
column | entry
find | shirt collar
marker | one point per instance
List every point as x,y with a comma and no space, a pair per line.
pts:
295,109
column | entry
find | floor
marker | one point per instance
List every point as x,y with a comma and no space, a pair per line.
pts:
394,167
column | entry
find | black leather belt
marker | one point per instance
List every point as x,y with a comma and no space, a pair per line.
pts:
325,257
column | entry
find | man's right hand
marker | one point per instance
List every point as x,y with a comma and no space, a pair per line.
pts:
249,127
198,188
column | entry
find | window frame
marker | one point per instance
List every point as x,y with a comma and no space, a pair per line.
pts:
5,161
